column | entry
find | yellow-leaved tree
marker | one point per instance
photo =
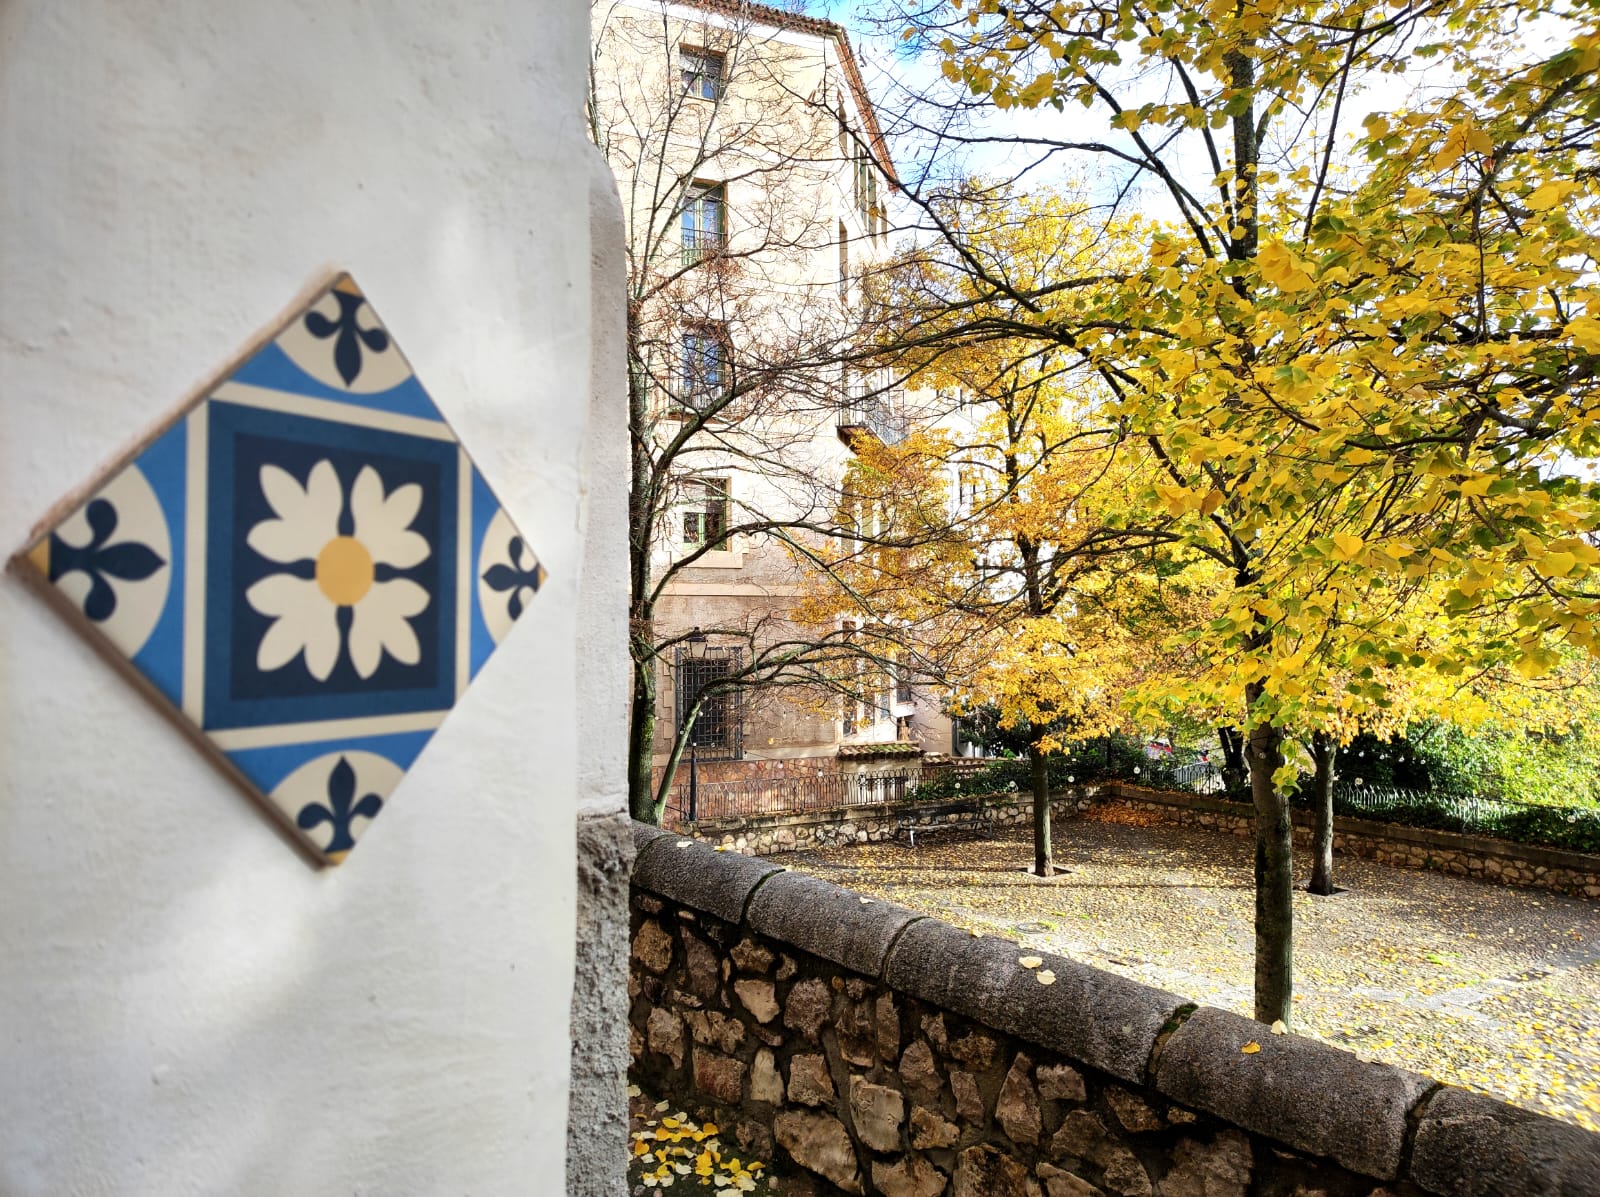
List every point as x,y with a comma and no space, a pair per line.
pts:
1357,361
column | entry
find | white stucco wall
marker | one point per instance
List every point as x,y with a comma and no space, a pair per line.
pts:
185,1005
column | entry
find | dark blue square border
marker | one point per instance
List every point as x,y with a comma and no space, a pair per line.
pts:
241,439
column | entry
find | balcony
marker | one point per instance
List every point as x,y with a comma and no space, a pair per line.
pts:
700,244
871,413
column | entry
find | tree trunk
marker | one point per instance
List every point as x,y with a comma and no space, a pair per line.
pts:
669,771
1235,774
1274,878
1323,750
1043,859
642,803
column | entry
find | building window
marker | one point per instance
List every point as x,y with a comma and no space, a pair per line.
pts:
867,193
705,221
705,519
902,684
844,262
717,733
702,73
703,369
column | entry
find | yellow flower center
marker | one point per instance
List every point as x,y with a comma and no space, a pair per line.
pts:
344,571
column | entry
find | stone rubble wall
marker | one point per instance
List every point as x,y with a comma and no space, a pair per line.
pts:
1482,857
862,1048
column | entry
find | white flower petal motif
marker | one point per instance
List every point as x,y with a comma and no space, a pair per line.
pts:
305,611
382,523
307,519
379,625
305,620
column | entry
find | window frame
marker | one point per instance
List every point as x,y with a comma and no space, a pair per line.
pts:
712,505
703,375
702,238
699,82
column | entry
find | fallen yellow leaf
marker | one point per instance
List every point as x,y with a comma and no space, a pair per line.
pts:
1029,961
1045,977
1251,1048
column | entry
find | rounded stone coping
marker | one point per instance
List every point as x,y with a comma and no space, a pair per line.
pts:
1096,1017
827,921
1470,1144
1307,1094
644,835
691,874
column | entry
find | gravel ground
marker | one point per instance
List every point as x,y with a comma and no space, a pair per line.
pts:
1481,985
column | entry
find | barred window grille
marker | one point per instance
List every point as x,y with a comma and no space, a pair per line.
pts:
718,732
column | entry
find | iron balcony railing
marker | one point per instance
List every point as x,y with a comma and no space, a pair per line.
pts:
795,793
699,244
873,415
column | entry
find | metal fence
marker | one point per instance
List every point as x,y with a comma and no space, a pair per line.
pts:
792,794
1474,812
1202,777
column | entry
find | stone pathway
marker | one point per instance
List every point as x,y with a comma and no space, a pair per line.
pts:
1481,985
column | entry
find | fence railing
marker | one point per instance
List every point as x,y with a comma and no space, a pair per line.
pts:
793,794
1203,777
1528,822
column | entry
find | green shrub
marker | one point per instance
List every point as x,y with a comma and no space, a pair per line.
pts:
1105,758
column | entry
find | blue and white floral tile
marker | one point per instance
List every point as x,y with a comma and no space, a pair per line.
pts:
306,565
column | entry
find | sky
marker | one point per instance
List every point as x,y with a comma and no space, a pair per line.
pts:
882,60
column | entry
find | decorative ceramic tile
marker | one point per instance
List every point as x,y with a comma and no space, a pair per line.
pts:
306,565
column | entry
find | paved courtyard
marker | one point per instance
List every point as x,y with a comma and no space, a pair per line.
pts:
1481,985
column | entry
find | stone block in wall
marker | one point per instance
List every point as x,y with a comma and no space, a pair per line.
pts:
819,1143
719,1077
1017,1108
970,1106
985,1171
718,883
810,1082
835,924
910,1177
749,956
652,946
919,1074
758,997
877,1112
1104,1020
1475,1146
930,1131
704,968
857,1031
1221,1168
765,1082
664,1035
1058,1182
1061,1082
1300,1092
807,1006
1132,1111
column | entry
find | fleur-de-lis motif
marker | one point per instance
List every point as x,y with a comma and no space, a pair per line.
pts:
351,336
516,577
341,810
129,561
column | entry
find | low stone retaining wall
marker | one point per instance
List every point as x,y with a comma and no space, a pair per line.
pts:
869,1050
1483,857
763,835
1478,856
